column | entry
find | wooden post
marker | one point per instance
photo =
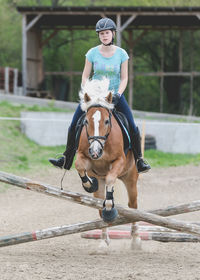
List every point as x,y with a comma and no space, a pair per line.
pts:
162,77
34,64
71,66
24,54
180,51
130,72
131,215
6,81
15,83
191,73
119,35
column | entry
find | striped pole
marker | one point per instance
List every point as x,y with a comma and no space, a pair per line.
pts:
144,235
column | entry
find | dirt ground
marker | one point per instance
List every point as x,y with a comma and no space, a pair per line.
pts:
71,257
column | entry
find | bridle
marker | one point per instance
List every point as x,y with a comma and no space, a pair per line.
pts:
91,139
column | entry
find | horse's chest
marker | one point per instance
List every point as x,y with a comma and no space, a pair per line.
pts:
100,167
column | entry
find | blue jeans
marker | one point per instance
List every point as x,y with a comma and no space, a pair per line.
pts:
122,107
78,113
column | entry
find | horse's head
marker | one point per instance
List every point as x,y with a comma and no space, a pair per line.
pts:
96,101
98,126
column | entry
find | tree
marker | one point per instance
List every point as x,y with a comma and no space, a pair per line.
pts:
10,36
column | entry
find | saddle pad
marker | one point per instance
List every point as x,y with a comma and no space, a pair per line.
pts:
123,123
78,129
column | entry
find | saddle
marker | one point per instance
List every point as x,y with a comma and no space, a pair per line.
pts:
122,122
124,125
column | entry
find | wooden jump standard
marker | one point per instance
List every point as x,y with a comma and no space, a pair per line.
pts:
128,215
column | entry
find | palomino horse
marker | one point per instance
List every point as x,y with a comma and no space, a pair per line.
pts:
100,155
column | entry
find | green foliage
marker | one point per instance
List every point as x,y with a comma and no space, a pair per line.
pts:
146,98
147,58
106,2
10,35
59,52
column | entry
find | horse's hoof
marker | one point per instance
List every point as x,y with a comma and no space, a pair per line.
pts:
109,216
94,186
136,243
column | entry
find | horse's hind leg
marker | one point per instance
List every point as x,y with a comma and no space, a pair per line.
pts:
109,212
130,181
101,194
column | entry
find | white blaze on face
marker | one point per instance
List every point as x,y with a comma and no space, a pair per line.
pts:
96,118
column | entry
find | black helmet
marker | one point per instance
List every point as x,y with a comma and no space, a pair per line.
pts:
105,24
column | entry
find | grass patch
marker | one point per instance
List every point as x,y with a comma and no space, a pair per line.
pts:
161,159
20,155
169,119
13,110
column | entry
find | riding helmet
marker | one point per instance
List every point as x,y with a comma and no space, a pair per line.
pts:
105,24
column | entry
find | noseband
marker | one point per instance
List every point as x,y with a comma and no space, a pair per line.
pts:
91,139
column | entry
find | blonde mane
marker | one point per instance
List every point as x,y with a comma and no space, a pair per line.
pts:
97,90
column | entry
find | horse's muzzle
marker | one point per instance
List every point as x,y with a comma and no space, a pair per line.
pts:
95,153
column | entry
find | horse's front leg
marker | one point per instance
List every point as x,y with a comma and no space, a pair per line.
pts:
109,212
82,164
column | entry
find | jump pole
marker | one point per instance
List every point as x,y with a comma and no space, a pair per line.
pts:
131,215
93,234
144,235
55,232
146,232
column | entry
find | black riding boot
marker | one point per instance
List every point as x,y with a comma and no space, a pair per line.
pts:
141,165
67,159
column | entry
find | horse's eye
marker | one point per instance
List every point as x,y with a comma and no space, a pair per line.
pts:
106,122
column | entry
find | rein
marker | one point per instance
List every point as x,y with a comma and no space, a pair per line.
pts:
98,138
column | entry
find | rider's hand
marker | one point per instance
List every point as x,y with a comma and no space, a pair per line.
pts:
116,98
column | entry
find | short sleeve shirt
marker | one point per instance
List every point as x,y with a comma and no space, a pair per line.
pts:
109,67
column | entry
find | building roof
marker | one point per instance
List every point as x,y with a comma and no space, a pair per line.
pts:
86,17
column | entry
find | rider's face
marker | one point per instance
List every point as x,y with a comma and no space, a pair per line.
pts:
105,36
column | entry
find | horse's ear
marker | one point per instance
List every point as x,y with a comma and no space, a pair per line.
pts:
86,98
109,97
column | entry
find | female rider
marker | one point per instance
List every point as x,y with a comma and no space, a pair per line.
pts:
106,60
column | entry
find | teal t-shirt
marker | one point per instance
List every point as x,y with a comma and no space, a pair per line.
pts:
109,67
